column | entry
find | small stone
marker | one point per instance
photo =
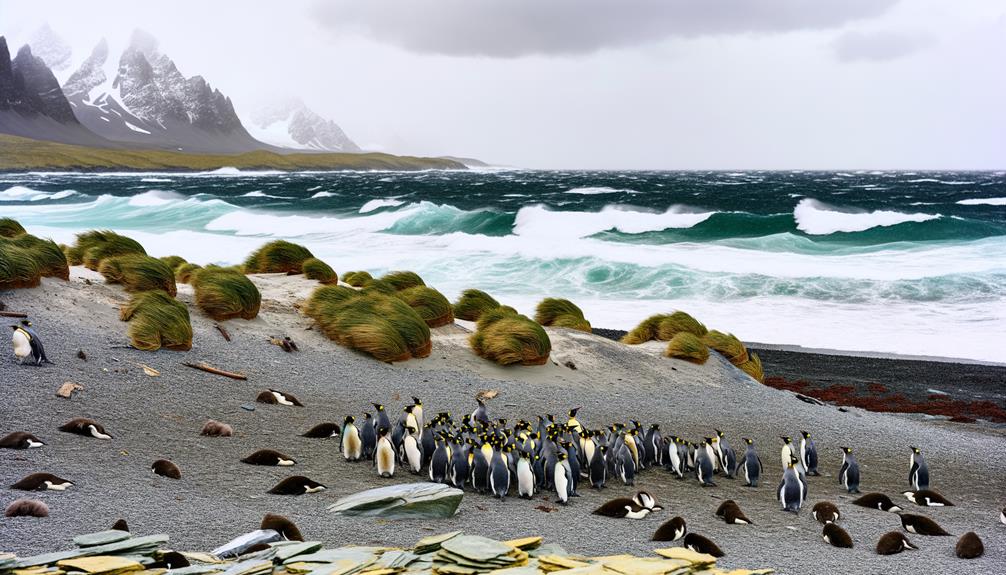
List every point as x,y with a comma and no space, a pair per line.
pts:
248,407
81,355
66,390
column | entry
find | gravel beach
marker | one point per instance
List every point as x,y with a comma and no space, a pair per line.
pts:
218,497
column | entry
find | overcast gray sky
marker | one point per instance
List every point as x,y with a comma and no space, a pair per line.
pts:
590,84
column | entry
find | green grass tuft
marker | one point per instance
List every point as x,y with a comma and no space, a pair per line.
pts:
18,268
48,256
278,256
380,325
10,228
508,338
357,279
473,303
430,304
687,346
402,280
138,273
728,345
225,293
96,245
663,327
173,261
157,320
184,272
315,269
753,367
561,313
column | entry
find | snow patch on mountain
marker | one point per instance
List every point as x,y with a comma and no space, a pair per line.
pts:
291,124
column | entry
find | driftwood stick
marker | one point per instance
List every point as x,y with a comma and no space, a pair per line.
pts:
215,371
12,314
222,331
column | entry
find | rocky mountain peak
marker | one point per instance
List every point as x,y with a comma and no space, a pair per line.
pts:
31,87
51,48
90,75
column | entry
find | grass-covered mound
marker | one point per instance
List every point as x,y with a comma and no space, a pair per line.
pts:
46,254
10,228
96,245
138,273
157,320
184,272
402,280
687,346
753,367
225,293
561,313
374,323
278,256
315,269
663,327
357,279
430,304
473,303
18,268
173,261
507,338
728,345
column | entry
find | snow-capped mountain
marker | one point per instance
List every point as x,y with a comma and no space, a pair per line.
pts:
291,124
144,99
52,49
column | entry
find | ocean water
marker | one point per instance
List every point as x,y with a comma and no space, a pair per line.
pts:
900,262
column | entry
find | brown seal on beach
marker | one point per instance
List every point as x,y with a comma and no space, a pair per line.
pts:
701,544
42,482
927,498
20,440
214,428
877,501
120,525
969,546
670,530
826,512
281,525
269,457
836,536
327,429
27,508
893,542
86,427
165,468
296,485
731,513
921,525
274,397
622,507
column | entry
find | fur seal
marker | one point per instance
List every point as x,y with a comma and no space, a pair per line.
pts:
731,513
921,525
86,427
42,482
969,546
281,525
622,507
296,485
670,530
836,536
27,508
269,457
20,440
701,544
826,512
927,498
165,468
214,428
893,542
877,501
327,429
278,397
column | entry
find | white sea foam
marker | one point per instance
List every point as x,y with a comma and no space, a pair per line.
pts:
155,198
983,202
594,191
539,221
156,180
26,194
380,203
261,194
323,194
817,218
945,182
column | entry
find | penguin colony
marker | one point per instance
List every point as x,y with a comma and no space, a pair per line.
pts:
493,458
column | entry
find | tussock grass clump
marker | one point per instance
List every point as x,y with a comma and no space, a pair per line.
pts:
225,293
508,338
138,273
430,304
728,345
173,261
753,367
184,272
47,255
473,303
157,320
96,245
18,269
687,346
402,280
380,325
663,327
278,256
561,313
315,269
11,228
357,279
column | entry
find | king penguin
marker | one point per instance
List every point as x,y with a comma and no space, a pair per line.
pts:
848,475
562,476
499,475
918,471
808,453
598,469
440,460
352,445
368,437
752,464
704,464
792,489
27,344
384,457
525,476
412,450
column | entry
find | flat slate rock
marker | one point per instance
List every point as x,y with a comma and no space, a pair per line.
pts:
100,538
407,501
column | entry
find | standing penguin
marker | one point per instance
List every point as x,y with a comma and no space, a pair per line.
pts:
598,470
458,471
704,465
574,467
381,417
499,475
352,445
417,410
673,459
368,436
787,454
562,477
481,414
27,344
792,489
808,453
751,464
440,461
525,476
918,471
848,476
480,471
625,465
384,457
413,453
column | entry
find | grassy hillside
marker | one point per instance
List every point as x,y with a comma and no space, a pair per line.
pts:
18,154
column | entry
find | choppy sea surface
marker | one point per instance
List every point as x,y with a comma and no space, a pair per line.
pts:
900,262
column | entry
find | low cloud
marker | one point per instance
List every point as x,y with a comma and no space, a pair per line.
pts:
879,46
515,28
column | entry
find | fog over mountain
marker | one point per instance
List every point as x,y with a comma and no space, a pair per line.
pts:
582,84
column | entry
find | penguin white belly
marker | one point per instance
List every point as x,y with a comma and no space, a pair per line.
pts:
352,447
785,456
285,462
97,434
33,444
630,514
910,528
281,399
413,455
561,484
525,478
385,459
57,486
314,489
22,346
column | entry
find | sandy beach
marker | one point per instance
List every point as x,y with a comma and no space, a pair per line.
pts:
218,497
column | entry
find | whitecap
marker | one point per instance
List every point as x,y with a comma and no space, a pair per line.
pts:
380,203
818,218
323,194
261,194
156,180
539,221
594,191
155,198
983,202
26,194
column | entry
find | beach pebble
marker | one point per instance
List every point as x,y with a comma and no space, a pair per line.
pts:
248,407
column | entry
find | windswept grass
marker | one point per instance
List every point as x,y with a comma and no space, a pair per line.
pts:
48,257
138,273
173,261
473,303
315,269
225,293
687,346
96,245
184,272
18,268
753,367
561,313
402,280
357,279
277,256
380,325
663,327
728,345
157,320
430,304
507,338
10,228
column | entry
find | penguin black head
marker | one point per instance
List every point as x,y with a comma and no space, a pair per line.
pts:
410,429
707,440
805,434
418,402
350,419
915,450
718,433
747,440
382,431
572,412
378,406
561,455
15,327
654,426
846,449
26,323
408,408
785,439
